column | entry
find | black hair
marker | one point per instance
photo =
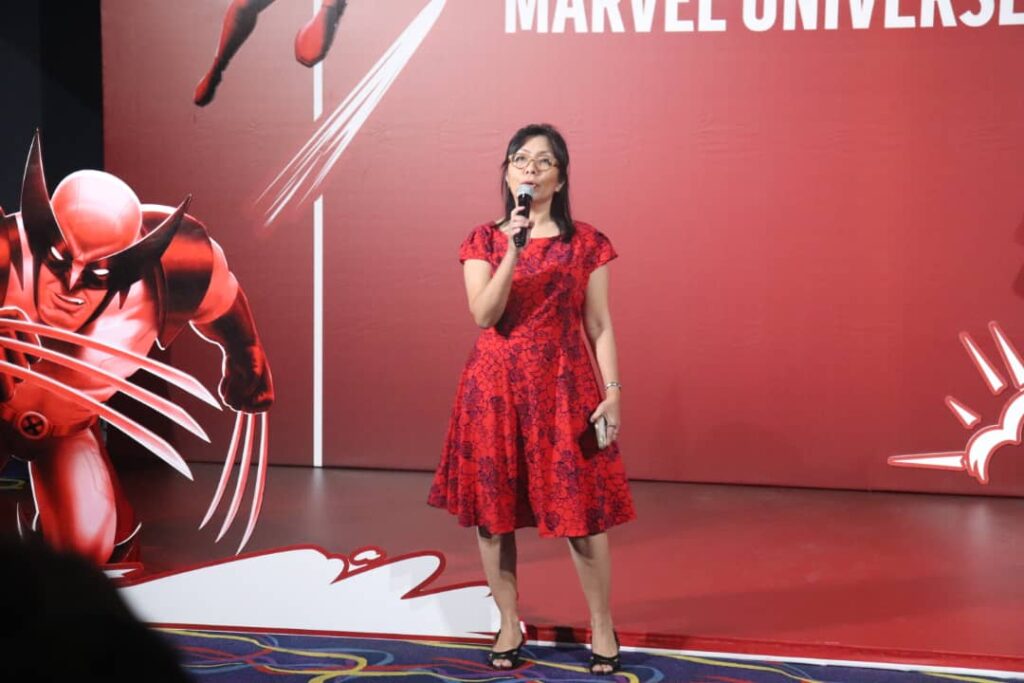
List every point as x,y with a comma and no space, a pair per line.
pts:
64,602
560,211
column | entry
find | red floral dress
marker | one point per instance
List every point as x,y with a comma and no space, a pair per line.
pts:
520,449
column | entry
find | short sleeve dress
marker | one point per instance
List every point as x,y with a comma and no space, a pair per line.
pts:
520,449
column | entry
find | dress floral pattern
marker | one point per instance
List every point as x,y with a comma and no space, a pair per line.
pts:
520,450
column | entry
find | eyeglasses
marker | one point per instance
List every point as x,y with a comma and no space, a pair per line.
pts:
521,161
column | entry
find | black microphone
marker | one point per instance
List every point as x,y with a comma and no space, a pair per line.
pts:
524,197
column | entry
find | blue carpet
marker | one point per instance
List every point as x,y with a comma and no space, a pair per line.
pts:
221,656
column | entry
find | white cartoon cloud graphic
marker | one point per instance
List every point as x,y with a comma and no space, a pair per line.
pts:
304,588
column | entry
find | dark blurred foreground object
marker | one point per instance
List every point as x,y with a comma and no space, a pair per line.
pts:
61,619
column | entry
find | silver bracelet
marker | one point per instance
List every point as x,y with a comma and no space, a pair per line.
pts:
613,385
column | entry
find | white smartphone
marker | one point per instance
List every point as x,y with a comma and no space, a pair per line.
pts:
601,429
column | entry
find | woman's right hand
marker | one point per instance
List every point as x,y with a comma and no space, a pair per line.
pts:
516,222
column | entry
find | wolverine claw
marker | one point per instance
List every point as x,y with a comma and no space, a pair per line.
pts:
243,476
253,423
171,410
229,463
151,441
169,374
261,482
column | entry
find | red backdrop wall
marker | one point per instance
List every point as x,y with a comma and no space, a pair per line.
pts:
806,221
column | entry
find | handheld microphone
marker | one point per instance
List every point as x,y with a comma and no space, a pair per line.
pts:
524,197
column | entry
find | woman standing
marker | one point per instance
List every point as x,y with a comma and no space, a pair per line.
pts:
521,448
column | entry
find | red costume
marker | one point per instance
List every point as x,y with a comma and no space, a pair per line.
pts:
311,42
520,449
89,281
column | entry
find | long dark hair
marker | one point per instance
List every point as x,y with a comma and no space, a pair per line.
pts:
560,212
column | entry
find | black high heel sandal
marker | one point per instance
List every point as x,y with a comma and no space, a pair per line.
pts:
614,663
511,656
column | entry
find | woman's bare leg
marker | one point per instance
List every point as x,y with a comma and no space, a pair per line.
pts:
498,555
592,557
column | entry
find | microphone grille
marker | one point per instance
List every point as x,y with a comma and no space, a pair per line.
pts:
525,189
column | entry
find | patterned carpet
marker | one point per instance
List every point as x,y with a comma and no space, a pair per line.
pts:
222,656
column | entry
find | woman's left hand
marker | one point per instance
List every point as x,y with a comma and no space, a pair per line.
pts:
610,409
